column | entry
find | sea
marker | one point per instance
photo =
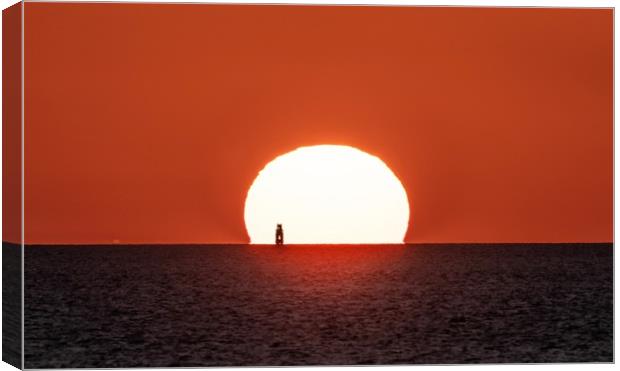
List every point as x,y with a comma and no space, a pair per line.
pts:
251,305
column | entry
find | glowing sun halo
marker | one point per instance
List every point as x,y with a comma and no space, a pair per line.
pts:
327,194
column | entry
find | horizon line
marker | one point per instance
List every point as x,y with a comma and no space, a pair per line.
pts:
305,244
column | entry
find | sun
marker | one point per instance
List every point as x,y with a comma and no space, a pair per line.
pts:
327,194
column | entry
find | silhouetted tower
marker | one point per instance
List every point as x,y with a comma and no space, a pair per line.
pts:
279,235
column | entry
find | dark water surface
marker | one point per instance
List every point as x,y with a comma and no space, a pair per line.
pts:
126,306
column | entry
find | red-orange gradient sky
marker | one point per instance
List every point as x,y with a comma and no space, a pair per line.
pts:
148,123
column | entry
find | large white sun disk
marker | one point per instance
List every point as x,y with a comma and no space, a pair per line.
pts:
327,194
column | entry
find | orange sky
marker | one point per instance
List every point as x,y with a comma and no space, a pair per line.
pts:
148,123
